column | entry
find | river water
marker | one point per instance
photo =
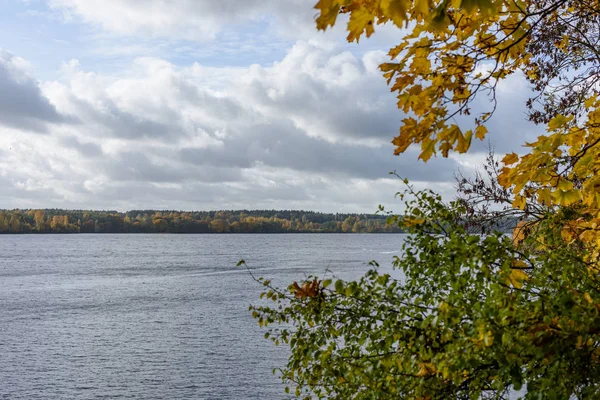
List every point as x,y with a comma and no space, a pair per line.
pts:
154,316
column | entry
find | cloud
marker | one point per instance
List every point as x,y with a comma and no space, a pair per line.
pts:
86,149
131,166
322,92
333,95
311,131
22,103
203,104
183,19
280,145
161,103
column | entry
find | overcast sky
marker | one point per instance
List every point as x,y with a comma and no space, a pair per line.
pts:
203,104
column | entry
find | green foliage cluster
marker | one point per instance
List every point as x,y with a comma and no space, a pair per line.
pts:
151,221
473,317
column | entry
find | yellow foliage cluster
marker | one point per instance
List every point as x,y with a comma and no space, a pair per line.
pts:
562,169
436,69
453,49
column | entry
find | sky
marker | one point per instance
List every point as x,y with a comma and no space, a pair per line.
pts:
208,105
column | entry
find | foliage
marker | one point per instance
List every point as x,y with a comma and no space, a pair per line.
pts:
150,221
474,316
454,50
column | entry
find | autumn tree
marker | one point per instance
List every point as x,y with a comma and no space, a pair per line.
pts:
15,224
347,225
40,220
475,316
3,223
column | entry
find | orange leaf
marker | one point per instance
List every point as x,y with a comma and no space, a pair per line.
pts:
308,289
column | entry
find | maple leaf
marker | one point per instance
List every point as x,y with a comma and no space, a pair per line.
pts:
510,159
480,132
308,289
567,197
328,12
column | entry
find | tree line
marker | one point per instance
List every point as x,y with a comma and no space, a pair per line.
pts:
151,221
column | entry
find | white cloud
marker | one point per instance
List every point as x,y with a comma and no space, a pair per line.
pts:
323,92
183,19
310,132
327,94
205,104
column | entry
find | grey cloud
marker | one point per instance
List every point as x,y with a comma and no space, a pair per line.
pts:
136,166
13,196
22,104
126,125
283,146
292,135
115,122
196,196
88,149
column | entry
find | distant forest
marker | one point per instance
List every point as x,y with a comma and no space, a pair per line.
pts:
152,221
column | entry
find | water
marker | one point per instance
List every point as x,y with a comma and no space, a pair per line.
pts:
154,316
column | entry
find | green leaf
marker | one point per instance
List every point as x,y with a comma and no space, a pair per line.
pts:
339,286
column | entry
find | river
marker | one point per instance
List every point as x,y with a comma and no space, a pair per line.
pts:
154,316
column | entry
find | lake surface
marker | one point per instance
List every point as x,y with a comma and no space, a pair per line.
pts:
154,316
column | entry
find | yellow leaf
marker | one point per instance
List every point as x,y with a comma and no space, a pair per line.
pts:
544,196
439,19
413,221
565,185
510,159
588,298
427,150
395,10
488,338
587,236
328,12
567,234
567,197
361,21
401,142
503,178
464,142
519,202
558,122
589,102
443,307
426,369
421,7
480,132
519,233
517,277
